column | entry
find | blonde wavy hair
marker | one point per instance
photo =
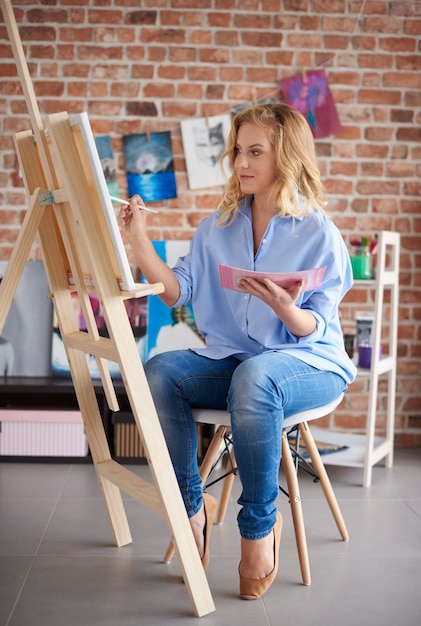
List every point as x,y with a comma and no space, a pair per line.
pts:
297,171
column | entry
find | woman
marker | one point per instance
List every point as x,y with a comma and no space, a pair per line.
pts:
270,352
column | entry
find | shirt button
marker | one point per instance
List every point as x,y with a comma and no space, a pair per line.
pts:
245,297
264,240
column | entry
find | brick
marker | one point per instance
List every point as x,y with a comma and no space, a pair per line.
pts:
344,168
304,40
37,33
406,9
400,170
408,62
382,25
374,133
308,22
214,55
164,36
375,151
331,6
385,205
398,44
180,54
378,61
374,96
204,38
408,134
220,19
402,79
375,187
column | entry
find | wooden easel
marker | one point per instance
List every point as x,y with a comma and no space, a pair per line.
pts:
66,213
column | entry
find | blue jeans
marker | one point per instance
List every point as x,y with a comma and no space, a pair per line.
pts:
258,393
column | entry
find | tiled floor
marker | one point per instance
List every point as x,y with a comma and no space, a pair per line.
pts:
59,567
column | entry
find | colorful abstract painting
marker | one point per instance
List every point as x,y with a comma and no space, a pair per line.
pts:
156,327
137,313
309,93
170,328
150,166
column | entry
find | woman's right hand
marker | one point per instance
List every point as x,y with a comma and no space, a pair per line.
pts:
132,221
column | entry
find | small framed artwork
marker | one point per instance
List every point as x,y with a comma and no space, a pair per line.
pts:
204,141
137,310
150,166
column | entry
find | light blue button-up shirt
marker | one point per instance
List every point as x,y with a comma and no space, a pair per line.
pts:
234,323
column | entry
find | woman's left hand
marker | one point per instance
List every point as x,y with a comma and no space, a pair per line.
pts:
275,296
300,322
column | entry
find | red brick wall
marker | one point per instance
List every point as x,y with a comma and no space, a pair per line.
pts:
147,65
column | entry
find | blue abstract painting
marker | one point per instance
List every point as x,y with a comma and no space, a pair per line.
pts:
150,166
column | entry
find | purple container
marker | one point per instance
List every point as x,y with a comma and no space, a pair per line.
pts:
364,356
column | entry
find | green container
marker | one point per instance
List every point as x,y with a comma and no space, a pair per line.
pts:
361,266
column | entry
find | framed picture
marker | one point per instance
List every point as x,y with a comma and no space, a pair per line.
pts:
106,156
150,166
170,328
156,327
204,141
137,310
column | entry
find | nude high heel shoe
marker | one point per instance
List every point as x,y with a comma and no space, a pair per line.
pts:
253,588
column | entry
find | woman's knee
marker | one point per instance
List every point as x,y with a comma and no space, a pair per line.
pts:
249,384
159,371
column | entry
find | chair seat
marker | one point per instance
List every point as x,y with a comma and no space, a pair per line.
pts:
219,417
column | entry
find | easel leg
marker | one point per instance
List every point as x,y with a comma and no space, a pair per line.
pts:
19,256
99,446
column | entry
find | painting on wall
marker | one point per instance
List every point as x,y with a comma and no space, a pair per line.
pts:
25,342
204,141
156,327
309,93
150,166
137,313
170,328
249,103
106,156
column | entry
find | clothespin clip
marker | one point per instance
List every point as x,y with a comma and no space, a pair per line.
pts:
254,97
207,120
147,132
303,75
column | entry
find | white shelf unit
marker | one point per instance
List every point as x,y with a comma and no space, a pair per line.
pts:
367,450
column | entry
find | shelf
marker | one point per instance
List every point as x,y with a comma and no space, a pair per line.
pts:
366,450
353,456
364,281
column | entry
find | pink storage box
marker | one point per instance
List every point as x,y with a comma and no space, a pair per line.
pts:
42,433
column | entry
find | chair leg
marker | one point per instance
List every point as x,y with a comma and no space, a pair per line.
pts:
211,453
204,472
226,490
320,469
296,509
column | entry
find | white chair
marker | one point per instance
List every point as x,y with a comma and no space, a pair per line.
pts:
221,420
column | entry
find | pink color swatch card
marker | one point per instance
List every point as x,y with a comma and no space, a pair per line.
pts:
312,279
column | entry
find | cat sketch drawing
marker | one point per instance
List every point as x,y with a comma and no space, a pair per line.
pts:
204,141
